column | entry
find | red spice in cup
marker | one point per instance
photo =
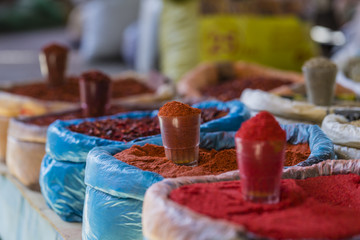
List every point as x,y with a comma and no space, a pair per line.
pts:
95,93
260,144
180,132
53,61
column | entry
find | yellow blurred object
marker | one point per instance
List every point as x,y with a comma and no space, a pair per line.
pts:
262,31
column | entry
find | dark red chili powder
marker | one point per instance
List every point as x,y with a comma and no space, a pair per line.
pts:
232,89
152,158
326,207
177,109
295,154
129,129
69,92
262,127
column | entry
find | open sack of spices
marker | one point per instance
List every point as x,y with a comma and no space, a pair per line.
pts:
118,176
68,143
27,137
58,92
343,128
226,81
317,202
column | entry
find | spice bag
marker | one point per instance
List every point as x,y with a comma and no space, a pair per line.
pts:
345,135
122,186
63,167
12,106
206,74
24,141
321,146
262,101
165,219
67,152
113,201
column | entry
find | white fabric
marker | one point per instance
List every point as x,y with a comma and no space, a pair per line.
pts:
338,129
262,101
344,152
104,23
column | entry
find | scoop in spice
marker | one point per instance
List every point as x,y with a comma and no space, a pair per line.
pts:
53,61
260,148
320,74
95,93
180,132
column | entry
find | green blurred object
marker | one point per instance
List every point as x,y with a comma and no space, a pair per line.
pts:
32,14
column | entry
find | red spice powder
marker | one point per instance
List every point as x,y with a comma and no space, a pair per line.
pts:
177,109
152,158
262,127
295,154
326,207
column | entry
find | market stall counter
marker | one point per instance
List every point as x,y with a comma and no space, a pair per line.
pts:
25,215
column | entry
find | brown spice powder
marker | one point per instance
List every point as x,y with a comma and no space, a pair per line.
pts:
152,158
295,154
211,162
177,109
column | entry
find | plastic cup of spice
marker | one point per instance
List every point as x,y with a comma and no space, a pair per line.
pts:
180,132
260,148
320,76
53,63
95,93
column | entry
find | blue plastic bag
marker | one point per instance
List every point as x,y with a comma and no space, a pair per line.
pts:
62,169
115,190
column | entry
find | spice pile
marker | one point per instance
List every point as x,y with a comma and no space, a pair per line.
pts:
231,89
130,129
152,158
50,118
180,132
119,129
295,154
326,207
69,92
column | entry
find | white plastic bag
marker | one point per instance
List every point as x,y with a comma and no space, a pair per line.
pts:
262,101
338,129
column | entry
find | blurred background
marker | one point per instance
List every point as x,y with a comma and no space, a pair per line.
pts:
173,36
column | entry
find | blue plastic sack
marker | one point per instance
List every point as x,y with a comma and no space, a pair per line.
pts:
62,169
115,190
321,147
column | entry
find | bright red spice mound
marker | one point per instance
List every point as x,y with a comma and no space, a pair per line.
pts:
177,109
326,207
262,127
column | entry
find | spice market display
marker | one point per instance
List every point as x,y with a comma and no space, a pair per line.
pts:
69,142
219,148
